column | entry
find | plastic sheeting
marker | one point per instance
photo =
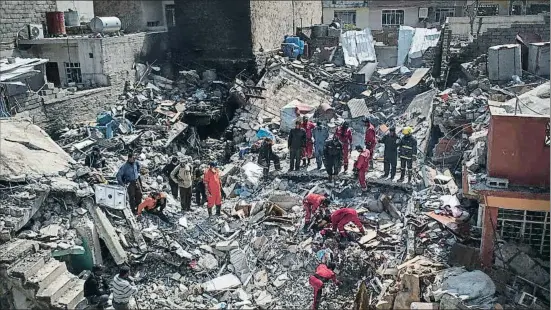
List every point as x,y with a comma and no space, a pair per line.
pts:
288,114
358,47
413,42
405,37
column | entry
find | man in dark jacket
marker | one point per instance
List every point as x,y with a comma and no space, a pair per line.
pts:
407,150
332,154
166,171
94,159
266,155
295,143
390,140
96,288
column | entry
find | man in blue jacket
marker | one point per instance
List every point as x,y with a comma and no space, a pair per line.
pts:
129,176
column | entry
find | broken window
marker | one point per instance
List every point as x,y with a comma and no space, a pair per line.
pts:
73,73
346,17
170,15
487,10
392,17
443,13
547,135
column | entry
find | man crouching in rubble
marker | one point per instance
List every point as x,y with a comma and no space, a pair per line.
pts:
155,202
323,274
129,176
340,218
96,288
311,203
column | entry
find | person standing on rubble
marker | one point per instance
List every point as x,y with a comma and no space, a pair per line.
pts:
311,203
181,175
309,147
96,288
213,185
198,184
323,274
332,154
167,169
266,155
320,134
370,137
390,140
295,143
407,150
95,159
361,166
123,289
129,176
345,137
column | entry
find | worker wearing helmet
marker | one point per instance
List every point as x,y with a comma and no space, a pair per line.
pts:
407,150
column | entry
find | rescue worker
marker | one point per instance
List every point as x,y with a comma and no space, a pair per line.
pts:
295,143
342,217
361,166
323,274
320,134
407,150
345,137
181,174
370,137
309,147
390,140
155,202
333,157
266,155
311,203
96,288
167,169
123,289
213,186
129,176
95,159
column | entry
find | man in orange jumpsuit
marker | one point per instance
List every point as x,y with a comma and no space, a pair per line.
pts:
323,274
154,202
344,216
311,203
308,151
213,186
345,137
362,165
370,136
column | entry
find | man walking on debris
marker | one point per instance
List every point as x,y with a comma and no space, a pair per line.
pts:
167,170
266,156
361,166
95,159
96,288
129,176
309,147
343,216
295,143
154,202
311,203
320,134
345,137
370,137
323,274
198,184
407,150
333,157
123,289
181,174
213,186
390,140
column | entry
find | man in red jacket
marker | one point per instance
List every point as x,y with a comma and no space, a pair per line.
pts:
308,151
370,136
361,166
311,203
323,274
345,137
344,216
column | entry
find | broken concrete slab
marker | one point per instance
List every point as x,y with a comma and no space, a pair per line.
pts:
226,246
224,282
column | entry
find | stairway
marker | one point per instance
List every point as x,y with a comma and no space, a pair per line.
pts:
43,280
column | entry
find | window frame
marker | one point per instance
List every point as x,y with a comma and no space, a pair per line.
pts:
438,14
73,70
345,12
395,15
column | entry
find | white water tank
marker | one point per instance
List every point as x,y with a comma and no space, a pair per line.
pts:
105,24
504,61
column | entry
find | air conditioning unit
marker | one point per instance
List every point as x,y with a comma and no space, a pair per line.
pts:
423,12
35,31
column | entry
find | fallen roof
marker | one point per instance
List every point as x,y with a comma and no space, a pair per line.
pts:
21,68
532,103
28,152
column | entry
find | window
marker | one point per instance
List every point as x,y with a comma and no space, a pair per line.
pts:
443,13
547,135
170,15
346,17
153,24
392,17
535,9
488,10
72,72
517,10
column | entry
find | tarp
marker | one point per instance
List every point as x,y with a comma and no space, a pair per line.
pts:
413,42
288,114
358,47
405,36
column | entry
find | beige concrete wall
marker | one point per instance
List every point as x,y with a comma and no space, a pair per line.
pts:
411,16
362,16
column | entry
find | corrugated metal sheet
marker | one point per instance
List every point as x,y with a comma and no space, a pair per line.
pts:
357,108
415,78
21,68
358,47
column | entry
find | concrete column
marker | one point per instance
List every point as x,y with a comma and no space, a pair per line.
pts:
489,224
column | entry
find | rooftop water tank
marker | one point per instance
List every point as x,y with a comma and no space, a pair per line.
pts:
105,24
56,23
71,18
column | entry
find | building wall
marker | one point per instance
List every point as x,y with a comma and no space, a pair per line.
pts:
84,8
15,15
461,27
129,12
307,13
411,16
362,15
511,155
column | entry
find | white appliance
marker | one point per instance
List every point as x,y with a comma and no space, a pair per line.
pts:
36,31
111,196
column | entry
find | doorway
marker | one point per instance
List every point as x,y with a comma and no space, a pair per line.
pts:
52,73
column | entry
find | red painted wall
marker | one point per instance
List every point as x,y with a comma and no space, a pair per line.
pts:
517,151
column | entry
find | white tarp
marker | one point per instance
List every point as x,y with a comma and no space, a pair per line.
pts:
405,36
358,47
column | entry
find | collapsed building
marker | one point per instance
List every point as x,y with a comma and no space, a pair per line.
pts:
475,212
